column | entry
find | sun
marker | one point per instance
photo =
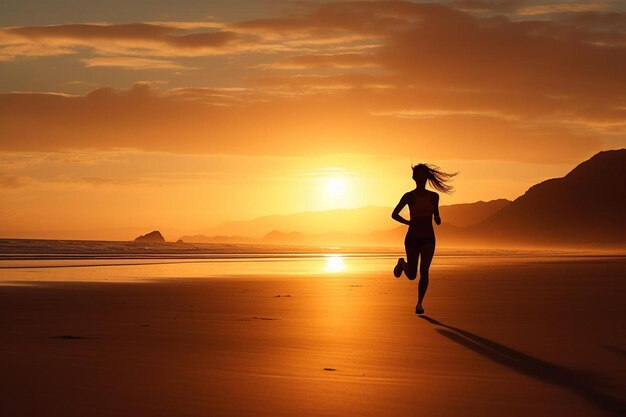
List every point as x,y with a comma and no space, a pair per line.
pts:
335,187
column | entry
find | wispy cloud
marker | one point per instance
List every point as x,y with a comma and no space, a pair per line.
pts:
13,181
136,39
573,7
132,63
338,60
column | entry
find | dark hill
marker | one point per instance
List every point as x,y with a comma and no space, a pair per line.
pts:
468,214
587,206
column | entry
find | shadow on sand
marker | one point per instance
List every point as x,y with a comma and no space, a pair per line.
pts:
576,382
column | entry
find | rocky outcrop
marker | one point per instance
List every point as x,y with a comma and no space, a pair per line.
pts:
152,237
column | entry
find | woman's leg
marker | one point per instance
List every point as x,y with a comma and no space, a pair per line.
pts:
412,256
427,251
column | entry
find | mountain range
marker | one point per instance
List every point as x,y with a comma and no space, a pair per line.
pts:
339,226
585,208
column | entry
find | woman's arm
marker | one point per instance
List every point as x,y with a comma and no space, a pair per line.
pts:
436,210
396,211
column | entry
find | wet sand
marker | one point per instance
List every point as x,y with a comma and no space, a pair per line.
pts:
518,337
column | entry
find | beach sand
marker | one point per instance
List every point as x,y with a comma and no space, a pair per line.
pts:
501,337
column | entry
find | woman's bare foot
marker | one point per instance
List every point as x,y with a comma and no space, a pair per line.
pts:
397,271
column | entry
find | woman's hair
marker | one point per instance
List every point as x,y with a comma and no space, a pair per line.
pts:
437,178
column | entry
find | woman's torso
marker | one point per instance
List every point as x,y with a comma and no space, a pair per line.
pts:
421,209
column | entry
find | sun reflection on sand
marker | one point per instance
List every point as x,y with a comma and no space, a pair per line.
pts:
334,263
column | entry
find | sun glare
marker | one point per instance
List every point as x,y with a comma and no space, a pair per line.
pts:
334,263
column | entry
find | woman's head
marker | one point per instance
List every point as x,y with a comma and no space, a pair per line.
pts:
431,173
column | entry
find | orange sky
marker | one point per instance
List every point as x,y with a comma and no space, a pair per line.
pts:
180,115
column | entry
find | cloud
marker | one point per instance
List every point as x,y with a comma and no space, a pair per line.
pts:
561,8
95,181
346,122
138,39
501,55
13,181
339,60
131,63
499,6
578,56
189,25
368,77
298,84
573,62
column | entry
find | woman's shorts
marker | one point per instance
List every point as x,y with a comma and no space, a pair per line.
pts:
416,242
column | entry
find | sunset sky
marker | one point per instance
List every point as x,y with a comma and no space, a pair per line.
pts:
120,117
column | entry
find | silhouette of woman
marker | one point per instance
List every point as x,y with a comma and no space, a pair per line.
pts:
420,238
